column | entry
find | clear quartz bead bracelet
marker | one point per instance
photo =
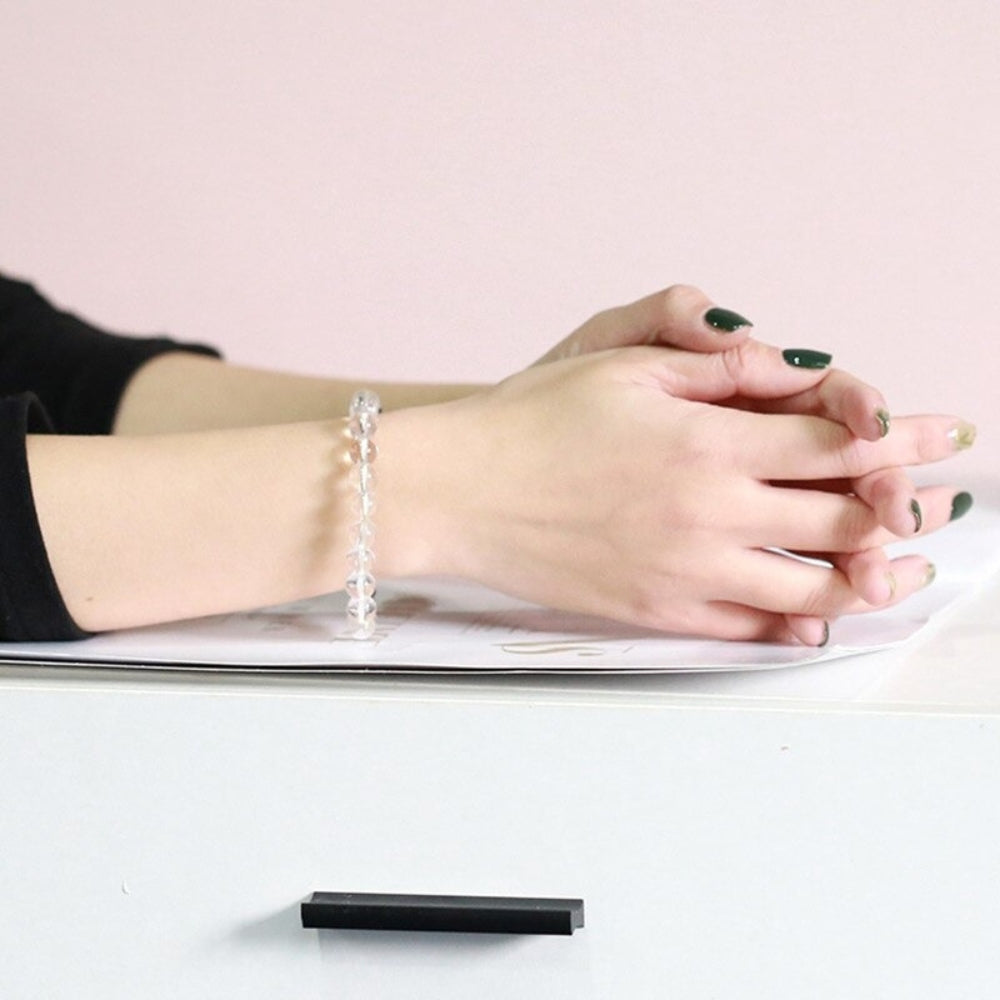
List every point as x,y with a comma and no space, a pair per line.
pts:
360,584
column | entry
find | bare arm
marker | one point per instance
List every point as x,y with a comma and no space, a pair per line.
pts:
187,392
142,530
605,485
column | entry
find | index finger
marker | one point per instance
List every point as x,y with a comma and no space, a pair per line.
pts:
756,376
838,396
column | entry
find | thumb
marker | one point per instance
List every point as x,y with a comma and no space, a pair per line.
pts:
680,316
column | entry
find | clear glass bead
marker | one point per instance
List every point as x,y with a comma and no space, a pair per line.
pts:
361,607
361,559
362,628
366,478
362,425
362,530
360,584
363,450
363,505
365,401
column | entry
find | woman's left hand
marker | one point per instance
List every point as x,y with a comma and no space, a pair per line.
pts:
684,317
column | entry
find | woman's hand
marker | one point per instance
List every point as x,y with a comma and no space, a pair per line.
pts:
754,376
608,484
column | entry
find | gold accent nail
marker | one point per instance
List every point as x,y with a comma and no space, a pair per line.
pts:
962,436
930,574
883,418
891,580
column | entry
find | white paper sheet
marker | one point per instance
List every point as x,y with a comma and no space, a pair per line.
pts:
433,625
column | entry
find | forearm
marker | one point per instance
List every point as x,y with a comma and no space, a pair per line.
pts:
185,392
142,530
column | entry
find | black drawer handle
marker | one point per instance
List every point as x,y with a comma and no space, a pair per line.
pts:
465,914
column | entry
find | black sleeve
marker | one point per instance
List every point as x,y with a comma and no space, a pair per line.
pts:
57,373
31,606
76,370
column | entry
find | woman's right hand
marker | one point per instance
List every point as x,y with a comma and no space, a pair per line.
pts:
610,484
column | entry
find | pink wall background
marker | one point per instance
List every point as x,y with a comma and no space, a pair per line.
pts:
441,190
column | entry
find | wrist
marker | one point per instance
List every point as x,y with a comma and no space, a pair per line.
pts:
413,528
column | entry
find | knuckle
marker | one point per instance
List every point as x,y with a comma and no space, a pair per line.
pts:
676,300
856,524
735,361
601,317
879,486
817,599
853,458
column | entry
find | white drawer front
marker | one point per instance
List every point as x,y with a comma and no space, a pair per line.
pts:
158,843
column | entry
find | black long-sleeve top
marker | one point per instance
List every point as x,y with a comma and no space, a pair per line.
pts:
58,374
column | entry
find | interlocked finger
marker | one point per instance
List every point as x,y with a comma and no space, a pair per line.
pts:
842,398
776,582
806,448
870,575
739,623
803,520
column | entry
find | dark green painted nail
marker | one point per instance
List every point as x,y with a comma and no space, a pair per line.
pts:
799,357
918,515
725,320
960,506
883,418
826,634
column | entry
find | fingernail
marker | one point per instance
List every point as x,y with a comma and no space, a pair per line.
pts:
960,505
890,578
930,574
883,418
725,320
963,436
826,634
801,358
918,516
